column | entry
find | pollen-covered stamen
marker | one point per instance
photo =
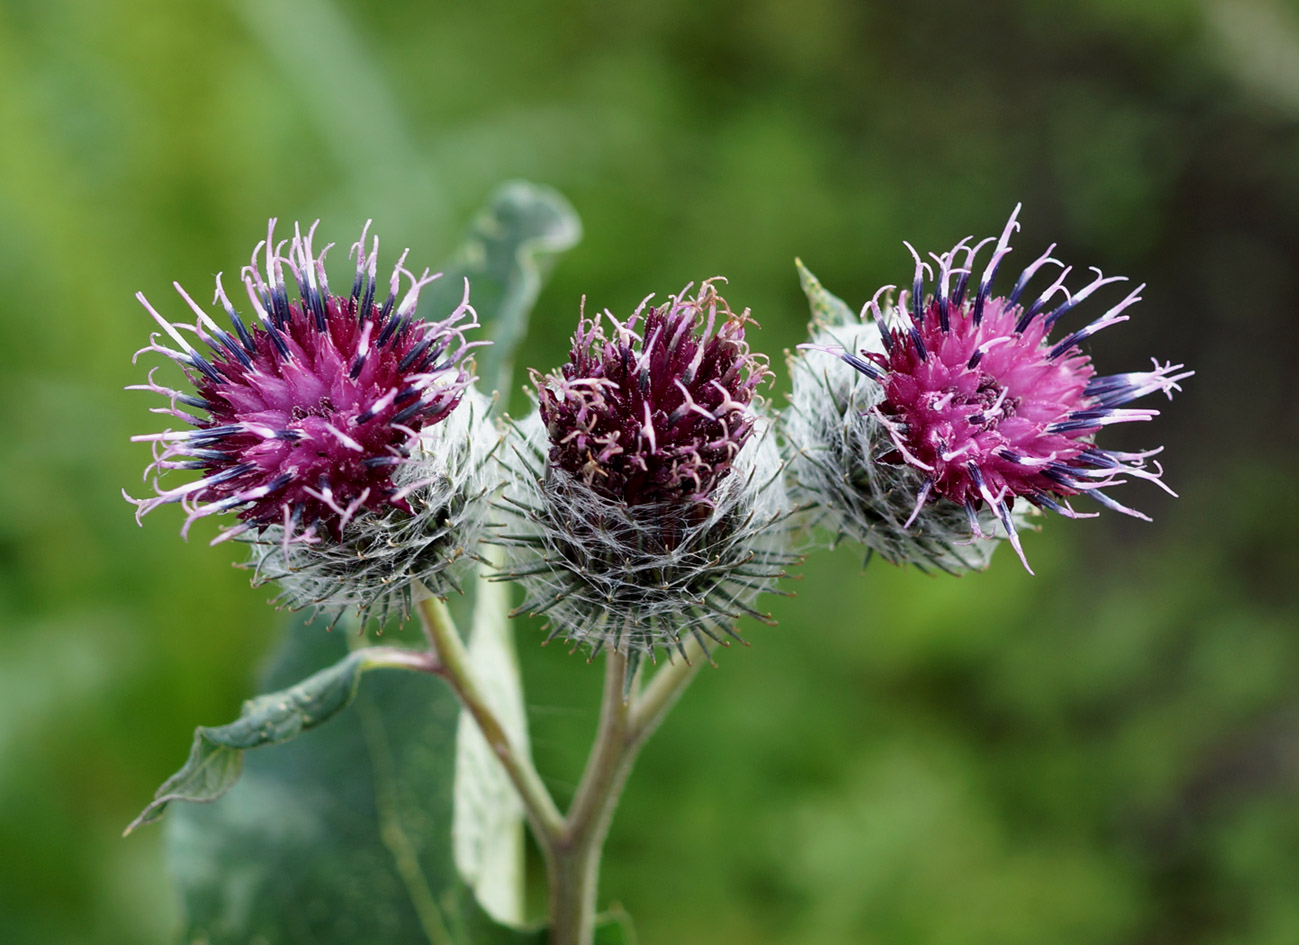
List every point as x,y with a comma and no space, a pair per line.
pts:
1073,299
857,362
387,319
366,269
362,350
921,497
1128,464
918,343
303,265
260,298
1091,419
983,349
1110,503
278,293
958,294
1064,509
1112,317
213,330
1040,303
308,396
1022,282
1118,389
187,356
220,298
945,263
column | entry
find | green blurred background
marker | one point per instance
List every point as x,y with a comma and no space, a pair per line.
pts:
1108,752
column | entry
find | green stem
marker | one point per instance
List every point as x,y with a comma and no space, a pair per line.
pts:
395,657
665,688
453,665
574,857
572,844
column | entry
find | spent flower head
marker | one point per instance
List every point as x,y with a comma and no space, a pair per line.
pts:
979,407
646,495
304,418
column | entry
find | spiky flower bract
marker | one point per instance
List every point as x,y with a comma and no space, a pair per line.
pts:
834,436
447,483
304,418
981,408
646,495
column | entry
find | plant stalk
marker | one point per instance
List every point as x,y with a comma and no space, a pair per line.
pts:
574,858
572,844
453,665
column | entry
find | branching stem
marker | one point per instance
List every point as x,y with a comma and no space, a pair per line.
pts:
571,844
453,665
396,657
625,724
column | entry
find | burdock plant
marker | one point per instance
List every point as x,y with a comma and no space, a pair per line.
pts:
643,503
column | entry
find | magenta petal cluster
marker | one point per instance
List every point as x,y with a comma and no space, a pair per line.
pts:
301,415
658,409
981,402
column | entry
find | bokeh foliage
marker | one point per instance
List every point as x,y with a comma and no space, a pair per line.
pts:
1107,752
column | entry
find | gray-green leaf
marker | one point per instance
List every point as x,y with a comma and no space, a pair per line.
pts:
216,756
509,250
340,836
506,256
487,830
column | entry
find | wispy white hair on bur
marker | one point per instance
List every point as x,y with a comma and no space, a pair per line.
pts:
447,483
635,578
835,436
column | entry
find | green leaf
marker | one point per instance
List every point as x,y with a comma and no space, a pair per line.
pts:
507,254
341,836
827,308
216,757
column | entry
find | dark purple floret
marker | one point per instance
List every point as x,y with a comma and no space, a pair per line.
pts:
302,419
657,412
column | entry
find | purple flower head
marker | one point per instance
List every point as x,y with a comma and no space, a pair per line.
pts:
301,419
658,411
646,501
986,408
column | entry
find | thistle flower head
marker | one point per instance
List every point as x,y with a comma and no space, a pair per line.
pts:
646,495
303,415
981,407
658,410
